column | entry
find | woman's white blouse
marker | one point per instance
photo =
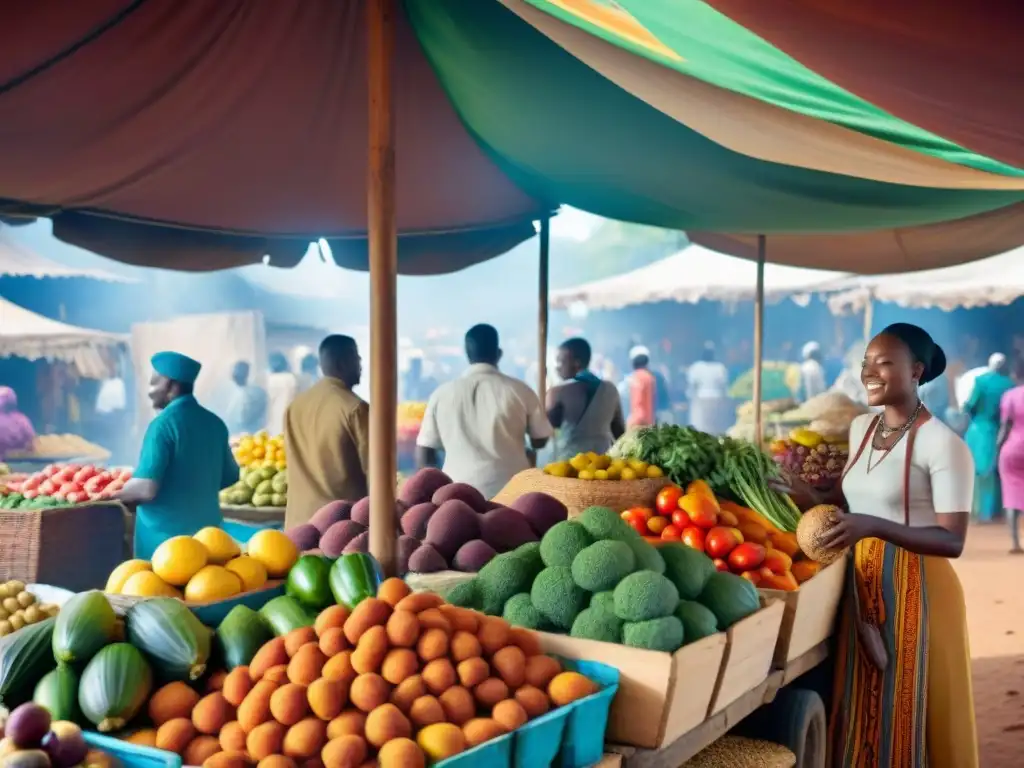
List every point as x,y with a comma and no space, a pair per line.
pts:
941,475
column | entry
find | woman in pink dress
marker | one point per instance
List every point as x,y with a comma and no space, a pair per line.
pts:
1011,454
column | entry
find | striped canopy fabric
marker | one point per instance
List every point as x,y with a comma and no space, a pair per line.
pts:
239,130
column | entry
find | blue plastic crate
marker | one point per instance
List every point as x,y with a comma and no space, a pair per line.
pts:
132,755
213,614
568,737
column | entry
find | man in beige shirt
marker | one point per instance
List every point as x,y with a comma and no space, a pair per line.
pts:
326,435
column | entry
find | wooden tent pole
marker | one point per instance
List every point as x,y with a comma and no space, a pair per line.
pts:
382,243
542,308
762,247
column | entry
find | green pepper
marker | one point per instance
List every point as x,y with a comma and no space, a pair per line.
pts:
354,578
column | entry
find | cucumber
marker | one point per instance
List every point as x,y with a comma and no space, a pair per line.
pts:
114,687
57,693
25,657
85,624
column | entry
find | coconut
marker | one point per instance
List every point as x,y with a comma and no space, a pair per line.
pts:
814,527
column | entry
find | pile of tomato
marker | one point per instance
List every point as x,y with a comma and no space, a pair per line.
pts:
742,546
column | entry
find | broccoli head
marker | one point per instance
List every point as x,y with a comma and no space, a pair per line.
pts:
557,597
506,574
647,557
563,542
602,565
595,624
604,523
664,634
604,601
463,594
520,612
645,595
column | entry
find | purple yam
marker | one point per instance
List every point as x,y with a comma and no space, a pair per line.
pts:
491,505
360,543
423,485
505,529
426,559
463,492
338,536
406,546
452,525
331,513
473,555
540,510
414,522
304,536
361,512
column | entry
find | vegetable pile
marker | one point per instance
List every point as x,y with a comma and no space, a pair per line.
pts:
61,485
734,469
206,567
595,577
807,455
591,466
445,525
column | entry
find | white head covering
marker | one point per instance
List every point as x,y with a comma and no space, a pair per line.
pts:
810,348
639,351
996,360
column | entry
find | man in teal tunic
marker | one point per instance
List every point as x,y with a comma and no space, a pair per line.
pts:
184,463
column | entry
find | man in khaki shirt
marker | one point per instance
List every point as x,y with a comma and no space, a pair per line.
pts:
326,435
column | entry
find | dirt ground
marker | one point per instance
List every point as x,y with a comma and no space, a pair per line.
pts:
994,589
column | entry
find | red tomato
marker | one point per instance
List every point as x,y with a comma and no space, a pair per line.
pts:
681,520
747,556
694,537
671,533
84,474
46,487
721,565
720,542
657,524
634,518
668,499
32,484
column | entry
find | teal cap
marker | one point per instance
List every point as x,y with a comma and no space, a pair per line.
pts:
176,366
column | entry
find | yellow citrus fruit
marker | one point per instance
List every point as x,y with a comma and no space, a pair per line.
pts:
653,471
441,740
120,575
179,559
250,570
219,544
275,550
627,473
213,582
148,584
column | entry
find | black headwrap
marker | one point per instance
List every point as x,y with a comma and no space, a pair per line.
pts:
922,348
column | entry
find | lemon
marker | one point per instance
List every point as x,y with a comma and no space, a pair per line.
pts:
601,474
213,582
603,462
120,575
148,584
639,466
179,559
579,462
250,571
275,550
219,544
653,471
627,473
585,474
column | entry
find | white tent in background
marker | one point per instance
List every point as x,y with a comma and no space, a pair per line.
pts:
695,274
992,281
34,337
17,259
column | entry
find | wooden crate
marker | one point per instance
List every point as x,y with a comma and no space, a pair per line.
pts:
661,695
810,613
749,653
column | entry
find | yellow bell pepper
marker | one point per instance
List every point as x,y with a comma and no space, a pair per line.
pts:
805,437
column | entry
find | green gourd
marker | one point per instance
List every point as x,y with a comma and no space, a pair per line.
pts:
115,685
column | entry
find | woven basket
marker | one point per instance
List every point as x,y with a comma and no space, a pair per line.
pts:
71,547
577,495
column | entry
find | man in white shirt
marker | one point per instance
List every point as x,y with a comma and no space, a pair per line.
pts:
707,382
482,420
812,372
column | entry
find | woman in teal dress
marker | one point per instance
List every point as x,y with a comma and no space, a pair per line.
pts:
983,434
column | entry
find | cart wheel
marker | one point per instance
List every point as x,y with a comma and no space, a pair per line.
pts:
796,719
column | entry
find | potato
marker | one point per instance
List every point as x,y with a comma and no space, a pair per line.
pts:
403,629
370,612
370,650
307,664
289,704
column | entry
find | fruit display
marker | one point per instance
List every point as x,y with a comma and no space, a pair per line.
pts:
733,469
260,451
207,567
444,525
591,466
31,738
260,486
19,608
807,455
399,680
61,447
63,484
595,577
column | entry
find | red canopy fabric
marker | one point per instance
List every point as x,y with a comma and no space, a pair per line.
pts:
952,68
90,93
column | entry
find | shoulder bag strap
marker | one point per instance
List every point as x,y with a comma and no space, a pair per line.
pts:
863,444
